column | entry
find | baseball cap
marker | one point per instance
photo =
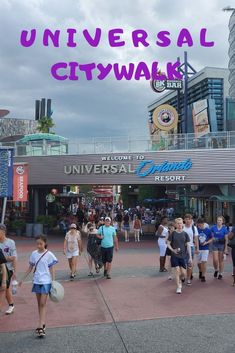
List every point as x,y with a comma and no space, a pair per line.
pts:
73,225
108,219
3,227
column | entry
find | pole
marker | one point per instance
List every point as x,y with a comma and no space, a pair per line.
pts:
185,93
4,209
179,127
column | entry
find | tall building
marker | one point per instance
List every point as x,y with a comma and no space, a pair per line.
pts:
231,52
209,83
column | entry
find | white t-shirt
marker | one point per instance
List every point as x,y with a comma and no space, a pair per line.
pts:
42,274
72,241
189,231
9,249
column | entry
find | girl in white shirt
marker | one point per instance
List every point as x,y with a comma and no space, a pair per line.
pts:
42,261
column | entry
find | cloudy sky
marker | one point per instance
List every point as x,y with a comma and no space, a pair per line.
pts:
84,109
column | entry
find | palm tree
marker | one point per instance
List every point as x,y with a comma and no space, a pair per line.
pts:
45,124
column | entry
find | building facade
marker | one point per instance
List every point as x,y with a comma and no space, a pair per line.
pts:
209,83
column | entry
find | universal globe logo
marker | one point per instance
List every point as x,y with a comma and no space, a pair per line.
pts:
20,170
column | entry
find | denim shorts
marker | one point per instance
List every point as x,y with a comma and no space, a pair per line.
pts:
41,288
217,247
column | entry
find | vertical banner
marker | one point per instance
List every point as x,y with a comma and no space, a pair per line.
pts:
6,172
20,182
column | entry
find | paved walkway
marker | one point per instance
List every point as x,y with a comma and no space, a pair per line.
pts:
136,311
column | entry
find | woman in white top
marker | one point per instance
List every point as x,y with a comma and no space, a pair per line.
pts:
43,262
162,234
73,248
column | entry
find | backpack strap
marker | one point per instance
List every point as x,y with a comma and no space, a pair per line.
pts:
35,268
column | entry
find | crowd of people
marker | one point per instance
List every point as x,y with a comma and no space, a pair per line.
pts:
180,241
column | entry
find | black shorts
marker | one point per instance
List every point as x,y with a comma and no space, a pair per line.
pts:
107,254
178,262
9,275
168,252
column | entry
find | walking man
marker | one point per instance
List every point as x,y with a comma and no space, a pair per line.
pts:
108,236
8,248
192,232
179,243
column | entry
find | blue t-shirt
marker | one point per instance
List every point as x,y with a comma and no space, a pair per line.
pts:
219,234
108,233
204,235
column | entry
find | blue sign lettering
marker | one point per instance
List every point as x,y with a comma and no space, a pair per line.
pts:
148,167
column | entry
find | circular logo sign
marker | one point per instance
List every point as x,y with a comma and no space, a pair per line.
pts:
20,170
50,198
165,117
158,86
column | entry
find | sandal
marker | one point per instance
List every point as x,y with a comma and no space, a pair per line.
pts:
41,332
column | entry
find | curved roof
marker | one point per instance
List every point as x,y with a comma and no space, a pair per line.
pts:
42,136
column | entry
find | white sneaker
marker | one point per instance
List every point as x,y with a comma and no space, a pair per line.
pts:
10,310
170,278
178,290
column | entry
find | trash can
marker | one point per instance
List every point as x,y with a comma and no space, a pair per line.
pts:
37,229
29,230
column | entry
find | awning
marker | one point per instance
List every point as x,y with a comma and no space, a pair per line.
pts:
222,198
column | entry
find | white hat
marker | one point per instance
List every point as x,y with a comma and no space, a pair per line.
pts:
108,219
57,292
73,225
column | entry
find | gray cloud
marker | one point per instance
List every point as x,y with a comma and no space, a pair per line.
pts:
85,109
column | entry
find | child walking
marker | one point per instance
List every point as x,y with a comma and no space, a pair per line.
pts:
42,261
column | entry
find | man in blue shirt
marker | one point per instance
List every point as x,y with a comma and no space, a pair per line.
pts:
108,236
204,239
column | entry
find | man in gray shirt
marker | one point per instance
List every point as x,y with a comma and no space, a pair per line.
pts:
9,250
179,244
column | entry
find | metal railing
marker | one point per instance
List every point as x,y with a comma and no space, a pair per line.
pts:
141,144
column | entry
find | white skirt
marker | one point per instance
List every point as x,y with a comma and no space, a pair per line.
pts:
162,246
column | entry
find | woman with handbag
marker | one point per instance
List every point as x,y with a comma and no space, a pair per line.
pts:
231,244
93,249
42,261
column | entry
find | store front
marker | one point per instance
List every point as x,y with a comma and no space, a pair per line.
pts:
204,179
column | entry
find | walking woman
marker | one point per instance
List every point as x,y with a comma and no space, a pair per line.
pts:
162,234
231,244
73,248
42,261
171,229
93,250
137,228
126,226
219,246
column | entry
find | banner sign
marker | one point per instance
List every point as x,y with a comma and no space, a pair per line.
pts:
6,172
162,85
20,182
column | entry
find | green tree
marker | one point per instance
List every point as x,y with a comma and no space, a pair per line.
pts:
45,124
